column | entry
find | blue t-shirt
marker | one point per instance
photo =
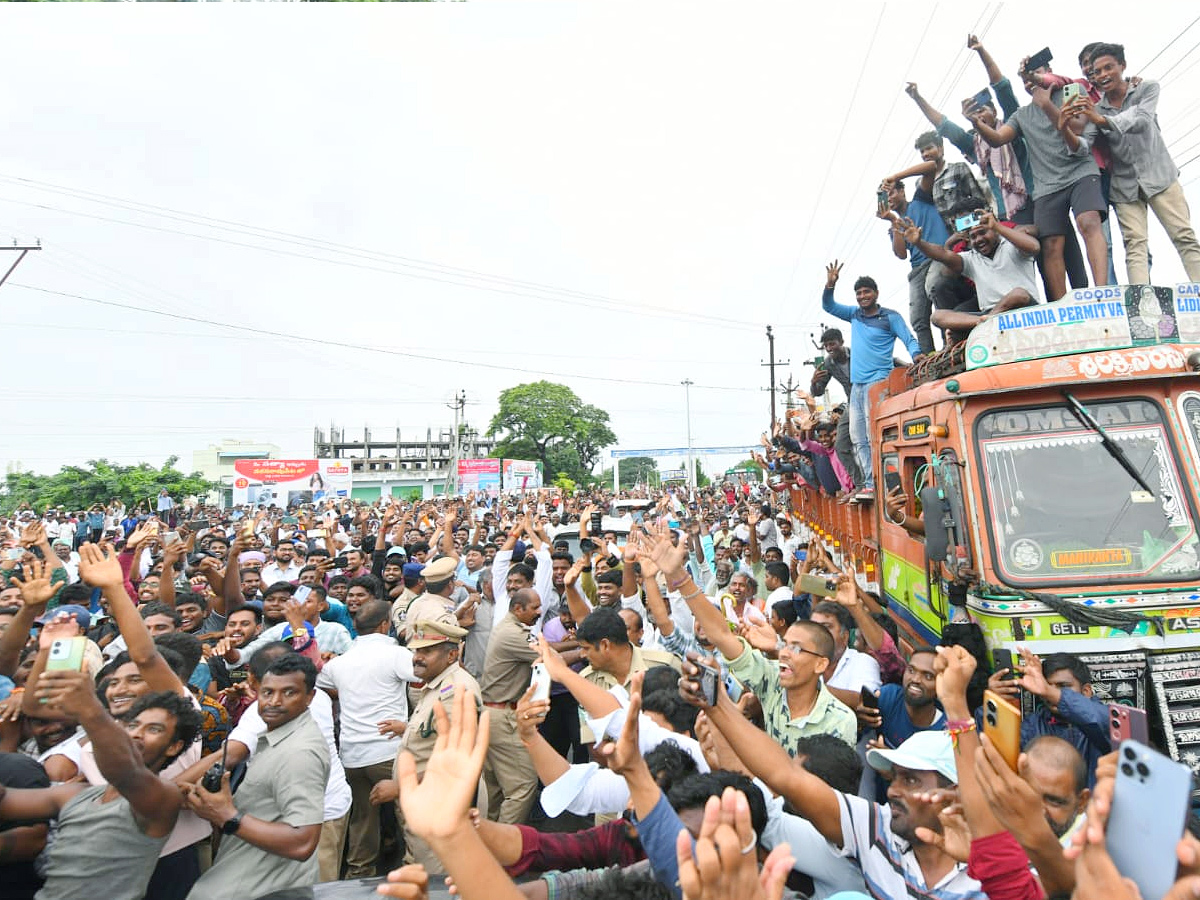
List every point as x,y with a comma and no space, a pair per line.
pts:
872,338
926,217
897,726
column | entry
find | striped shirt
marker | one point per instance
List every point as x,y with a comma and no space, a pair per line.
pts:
889,866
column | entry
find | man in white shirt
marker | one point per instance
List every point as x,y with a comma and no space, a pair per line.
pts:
369,681
331,637
284,568
849,671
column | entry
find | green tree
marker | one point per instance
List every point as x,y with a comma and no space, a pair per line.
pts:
548,422
565,484
78,487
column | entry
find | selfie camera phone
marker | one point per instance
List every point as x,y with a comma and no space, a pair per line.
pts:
1038,60
66,654
818,584
540,681
1149,809
1003,658
1070,92
710,679
964,223
1127,723
1002,725
869,700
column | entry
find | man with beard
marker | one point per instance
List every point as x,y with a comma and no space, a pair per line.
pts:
109,834
392,572
285,567
909,707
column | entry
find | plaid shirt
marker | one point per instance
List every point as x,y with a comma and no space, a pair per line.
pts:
613,843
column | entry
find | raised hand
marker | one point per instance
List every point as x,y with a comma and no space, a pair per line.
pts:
436,806
530,714
38,586
832,272
723,864
99,566
955,837
911,89
973,43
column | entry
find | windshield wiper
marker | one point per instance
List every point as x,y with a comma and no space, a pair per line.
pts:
1108,443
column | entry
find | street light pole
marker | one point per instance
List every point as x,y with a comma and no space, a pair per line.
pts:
691,471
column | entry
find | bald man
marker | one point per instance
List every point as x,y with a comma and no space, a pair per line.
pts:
1059,775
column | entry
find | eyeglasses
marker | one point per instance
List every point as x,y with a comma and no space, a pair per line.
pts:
796,648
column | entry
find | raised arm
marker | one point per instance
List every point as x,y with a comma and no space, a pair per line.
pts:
951,260
231,587
575,600
594,699
935,118
995,137
36,590
812,797
926,170
993,71
670,560
448,533
98,566
155,802
1022,240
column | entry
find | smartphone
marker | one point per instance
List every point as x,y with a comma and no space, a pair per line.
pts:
967,222
291,520
596,523
317,533
983,98
817,584
1070,92
340,562
710,680
1039,59
14,553
1149,808
170,537
1002,725
1127,723
800,554
881,201
540,680
869,700
66,654
302,593
197,524
1003,658
248,528
891,480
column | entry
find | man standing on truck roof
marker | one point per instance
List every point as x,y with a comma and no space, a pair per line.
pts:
873,333
836,366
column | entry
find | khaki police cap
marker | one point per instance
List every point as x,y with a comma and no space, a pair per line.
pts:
429,633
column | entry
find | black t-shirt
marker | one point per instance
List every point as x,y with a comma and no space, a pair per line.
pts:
19,880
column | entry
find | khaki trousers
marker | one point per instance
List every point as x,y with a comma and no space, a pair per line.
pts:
1171,209
329,847
508,770
362,851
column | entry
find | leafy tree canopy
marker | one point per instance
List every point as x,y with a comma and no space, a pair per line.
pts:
78,487
548,422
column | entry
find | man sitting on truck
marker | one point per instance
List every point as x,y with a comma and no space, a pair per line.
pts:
1001,260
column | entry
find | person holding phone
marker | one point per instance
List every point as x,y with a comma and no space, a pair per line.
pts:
1000,261
111,833
1068,708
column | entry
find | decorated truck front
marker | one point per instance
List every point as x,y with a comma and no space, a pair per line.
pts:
1055,471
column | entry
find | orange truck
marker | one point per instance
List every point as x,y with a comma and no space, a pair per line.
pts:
1054,460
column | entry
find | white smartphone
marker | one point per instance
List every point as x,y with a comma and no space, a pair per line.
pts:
541,681
1149,810
302,593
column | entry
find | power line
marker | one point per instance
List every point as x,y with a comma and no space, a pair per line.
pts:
836,147
1171,43
596,301
1175,64
350,346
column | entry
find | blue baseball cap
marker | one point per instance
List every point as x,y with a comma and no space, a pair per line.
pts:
413,569
82,616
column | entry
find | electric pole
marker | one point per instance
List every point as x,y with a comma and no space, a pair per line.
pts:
21,251
691,471
459,404
771,365
788,389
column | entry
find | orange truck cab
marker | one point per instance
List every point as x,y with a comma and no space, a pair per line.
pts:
1054,458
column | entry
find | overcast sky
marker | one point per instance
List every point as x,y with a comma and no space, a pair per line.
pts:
626,191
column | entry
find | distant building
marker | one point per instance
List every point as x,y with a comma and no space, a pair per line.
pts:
216,463
386,464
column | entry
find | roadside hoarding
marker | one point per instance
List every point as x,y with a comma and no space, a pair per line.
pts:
287,482
478,475
522,475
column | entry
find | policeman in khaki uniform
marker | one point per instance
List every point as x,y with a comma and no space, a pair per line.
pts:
435,648
435,602
508,772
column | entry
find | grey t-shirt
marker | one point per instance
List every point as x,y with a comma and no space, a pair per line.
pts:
1054,166
99,851
1007,269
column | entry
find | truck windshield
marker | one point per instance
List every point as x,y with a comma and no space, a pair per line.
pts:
1061,509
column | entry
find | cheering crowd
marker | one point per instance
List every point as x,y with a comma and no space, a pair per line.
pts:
535,695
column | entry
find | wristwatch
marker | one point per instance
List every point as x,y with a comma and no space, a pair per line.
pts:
231,826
